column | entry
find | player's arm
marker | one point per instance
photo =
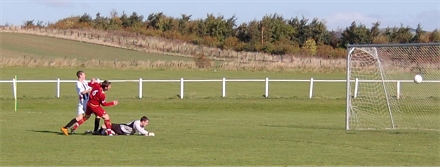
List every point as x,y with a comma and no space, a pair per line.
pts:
94,83
104,103
141,130
80,89
88,90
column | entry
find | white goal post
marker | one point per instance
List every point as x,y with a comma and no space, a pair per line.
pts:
381,93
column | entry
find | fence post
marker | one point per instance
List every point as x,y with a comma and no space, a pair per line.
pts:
224,87
14,87
356,83
311,88
140,88
58,88
266,95
398,90
181,88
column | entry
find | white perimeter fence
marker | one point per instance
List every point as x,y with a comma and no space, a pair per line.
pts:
223,80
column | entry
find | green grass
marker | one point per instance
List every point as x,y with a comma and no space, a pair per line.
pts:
170,90
201,132
202,129
25,45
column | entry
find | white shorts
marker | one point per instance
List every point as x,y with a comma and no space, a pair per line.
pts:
82,105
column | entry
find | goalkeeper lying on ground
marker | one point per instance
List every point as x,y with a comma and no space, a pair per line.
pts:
130,128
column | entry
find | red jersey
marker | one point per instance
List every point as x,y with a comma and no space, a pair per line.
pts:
97,97
94,84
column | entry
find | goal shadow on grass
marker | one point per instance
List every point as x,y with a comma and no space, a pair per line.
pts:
305,126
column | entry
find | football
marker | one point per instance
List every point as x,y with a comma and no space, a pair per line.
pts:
418,79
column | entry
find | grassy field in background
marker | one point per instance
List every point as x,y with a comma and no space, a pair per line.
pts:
170,90
20,45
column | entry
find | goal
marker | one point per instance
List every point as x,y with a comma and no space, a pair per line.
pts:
381,93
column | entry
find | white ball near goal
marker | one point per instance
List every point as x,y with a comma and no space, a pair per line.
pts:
418,79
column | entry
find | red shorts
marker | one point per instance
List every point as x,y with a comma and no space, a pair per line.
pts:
95,109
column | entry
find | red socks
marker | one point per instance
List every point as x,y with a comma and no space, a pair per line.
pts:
108,126
77,124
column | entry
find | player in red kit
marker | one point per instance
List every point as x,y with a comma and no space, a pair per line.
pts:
93,83
96,101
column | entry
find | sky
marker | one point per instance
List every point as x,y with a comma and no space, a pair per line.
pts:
337,14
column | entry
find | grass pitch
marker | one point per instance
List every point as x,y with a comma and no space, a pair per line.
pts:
201,132
203,129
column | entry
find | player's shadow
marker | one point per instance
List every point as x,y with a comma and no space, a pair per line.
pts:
47,131
58,133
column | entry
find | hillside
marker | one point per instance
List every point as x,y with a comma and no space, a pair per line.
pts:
139,53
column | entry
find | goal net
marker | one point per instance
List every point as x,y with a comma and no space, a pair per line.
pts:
381,92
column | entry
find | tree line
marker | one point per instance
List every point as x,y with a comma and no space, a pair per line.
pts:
272,34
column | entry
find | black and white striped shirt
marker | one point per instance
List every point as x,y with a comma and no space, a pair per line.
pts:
80,87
